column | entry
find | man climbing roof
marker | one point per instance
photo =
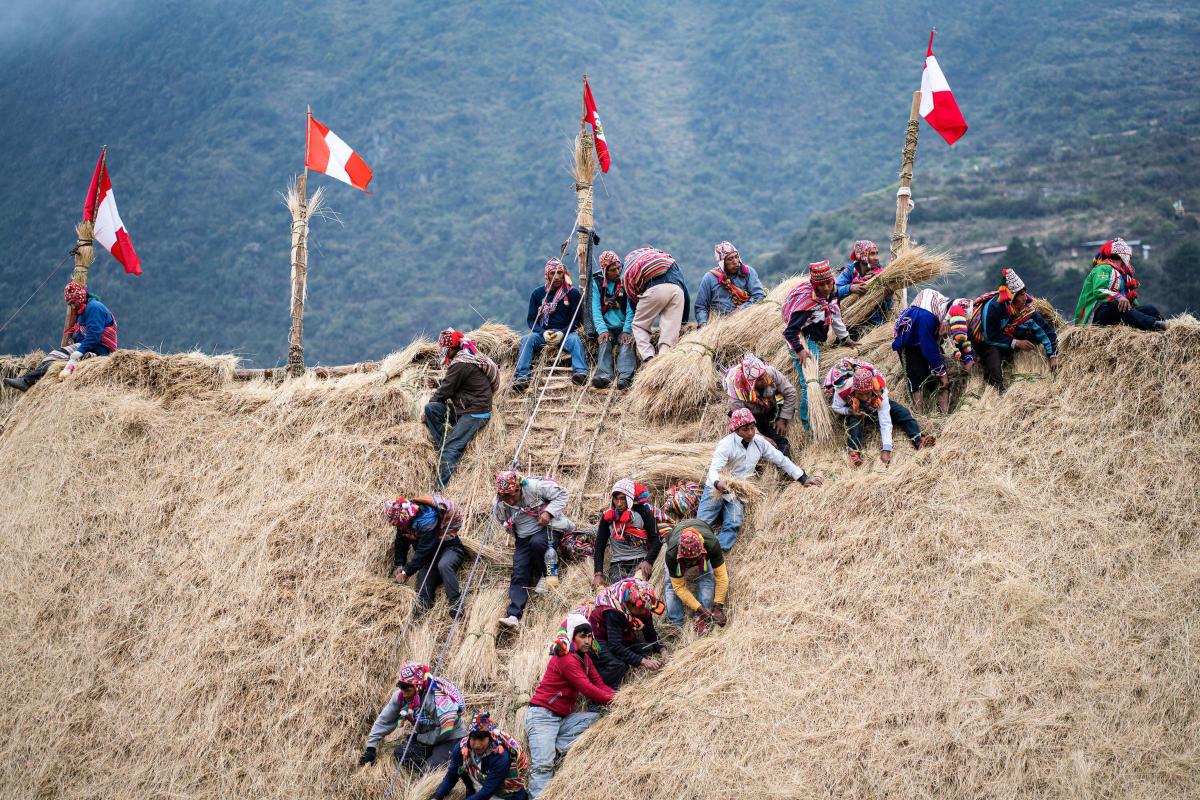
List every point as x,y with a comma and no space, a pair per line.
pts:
694,552
918,336
654,285
93,334
433,705
1005,321
629,527
809,311
428,526
1110,292
622,617
462,404
739,453
859,392
554,313
531,509
612,316
756,385
728,288
489,762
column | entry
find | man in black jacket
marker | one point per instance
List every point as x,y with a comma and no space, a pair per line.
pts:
428,527
462,404
554,313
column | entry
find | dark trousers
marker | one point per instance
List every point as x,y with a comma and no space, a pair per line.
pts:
992,360
765,422
452,443
443,572
529,565
1144,318
613,670
422,757
916,369
901,418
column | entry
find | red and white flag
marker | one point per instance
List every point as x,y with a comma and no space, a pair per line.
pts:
329,154
591,117
100,207
938,105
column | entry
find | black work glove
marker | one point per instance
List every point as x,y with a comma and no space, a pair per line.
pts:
717,614
368,757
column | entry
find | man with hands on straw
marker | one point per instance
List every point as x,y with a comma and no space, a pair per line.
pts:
94,334
739,453
755,385
693,549
1003,322
551,723
433,705
728,288
531,509
859,391
863,267
462,404
429,526
489,762
629,526
553,313
612,316
810,310
918,336
622,618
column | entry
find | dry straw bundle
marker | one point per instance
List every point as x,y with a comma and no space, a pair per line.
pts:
659,464
912,266
678,383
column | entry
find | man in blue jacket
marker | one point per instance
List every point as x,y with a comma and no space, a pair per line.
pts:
853,278
612,316
554,313
490,764
728,288
94,334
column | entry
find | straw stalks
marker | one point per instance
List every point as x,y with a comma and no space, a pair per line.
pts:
748,491
912,266
660,464
475,659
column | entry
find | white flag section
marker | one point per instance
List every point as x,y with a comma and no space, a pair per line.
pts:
938,106
107,228
329,154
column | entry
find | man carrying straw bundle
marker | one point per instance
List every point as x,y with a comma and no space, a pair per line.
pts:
693,551
429,526
612,316
862,268
462,404
728,288
918,339
810,310
629,527
859,391
552,316
1003,322
771,398
551,723
433,705
93,334
655,287
739,453
489,762
1110,292
529,508
622,617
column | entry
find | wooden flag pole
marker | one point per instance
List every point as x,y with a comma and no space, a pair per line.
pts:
299,210
85,254
904,193
585,173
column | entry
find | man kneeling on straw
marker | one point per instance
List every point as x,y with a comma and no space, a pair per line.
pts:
433,705
429,527
693,549
859,390
740,452
809,311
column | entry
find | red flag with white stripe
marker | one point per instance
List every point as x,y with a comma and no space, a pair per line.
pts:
329,154
938,106
592,117
100,207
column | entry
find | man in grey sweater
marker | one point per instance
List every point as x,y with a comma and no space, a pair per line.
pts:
531,509
433,705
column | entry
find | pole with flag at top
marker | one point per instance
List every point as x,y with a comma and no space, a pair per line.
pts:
298,203
85,252
585,173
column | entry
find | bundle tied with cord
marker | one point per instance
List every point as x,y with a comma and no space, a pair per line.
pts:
914,265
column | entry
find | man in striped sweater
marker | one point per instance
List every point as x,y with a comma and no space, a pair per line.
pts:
655,287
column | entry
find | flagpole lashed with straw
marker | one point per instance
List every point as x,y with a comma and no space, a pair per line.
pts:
298,205
585,174
85,254
904,202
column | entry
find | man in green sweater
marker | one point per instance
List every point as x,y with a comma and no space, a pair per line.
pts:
693,551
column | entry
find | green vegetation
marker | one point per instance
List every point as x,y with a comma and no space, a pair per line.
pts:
725,121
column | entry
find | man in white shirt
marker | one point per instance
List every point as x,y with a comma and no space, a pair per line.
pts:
861,394
739,454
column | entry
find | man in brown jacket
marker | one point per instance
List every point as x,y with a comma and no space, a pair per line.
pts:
462,404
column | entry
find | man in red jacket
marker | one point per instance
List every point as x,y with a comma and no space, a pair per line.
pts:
551,723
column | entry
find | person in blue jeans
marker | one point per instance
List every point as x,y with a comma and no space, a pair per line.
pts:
462,404
554,313
693,547
612,317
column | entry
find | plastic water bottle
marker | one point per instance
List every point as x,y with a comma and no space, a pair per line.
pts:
551,563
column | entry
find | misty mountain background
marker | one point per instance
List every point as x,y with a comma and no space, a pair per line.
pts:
725,121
